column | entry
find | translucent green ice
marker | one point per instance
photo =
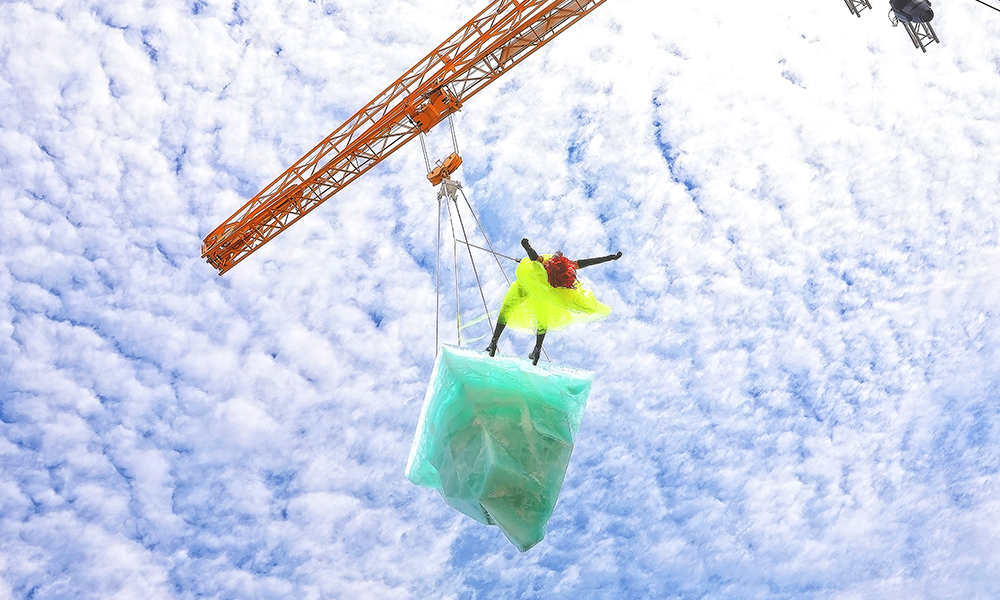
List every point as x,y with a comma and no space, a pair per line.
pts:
495,436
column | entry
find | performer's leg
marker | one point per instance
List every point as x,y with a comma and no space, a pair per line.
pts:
537,352
543,325
514,296
492,348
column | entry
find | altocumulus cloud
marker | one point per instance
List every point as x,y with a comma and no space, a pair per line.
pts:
796,395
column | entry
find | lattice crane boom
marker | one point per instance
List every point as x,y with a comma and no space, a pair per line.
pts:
502,35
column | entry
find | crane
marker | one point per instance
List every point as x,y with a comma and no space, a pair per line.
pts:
499,37
915,15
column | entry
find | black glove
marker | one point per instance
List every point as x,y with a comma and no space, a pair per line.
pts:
586,262
527,248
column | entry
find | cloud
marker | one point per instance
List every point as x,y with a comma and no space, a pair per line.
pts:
795,394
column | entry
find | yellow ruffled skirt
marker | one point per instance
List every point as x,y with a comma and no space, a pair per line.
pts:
533,306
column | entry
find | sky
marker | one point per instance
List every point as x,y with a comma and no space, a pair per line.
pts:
797,394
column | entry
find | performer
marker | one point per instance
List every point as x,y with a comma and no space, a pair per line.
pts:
546,295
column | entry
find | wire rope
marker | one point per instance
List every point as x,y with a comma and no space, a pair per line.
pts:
475,270
488,251
454,138
458,297
486,237
423,146
452,213
437,290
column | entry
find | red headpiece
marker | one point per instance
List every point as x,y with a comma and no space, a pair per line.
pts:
561,270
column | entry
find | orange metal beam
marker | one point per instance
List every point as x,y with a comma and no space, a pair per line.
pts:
502,35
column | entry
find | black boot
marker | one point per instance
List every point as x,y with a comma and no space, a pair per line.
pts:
537,352
492,348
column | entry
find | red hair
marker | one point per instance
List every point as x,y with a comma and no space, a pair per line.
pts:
561,270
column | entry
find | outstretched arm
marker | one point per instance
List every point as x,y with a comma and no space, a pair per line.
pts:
586,262
527,248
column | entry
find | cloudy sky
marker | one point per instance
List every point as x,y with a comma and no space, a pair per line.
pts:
797,394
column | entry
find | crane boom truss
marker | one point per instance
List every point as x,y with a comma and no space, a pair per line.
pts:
502,35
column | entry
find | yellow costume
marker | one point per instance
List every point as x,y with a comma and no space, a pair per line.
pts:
533,306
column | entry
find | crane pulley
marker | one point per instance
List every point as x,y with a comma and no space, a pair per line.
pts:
443,169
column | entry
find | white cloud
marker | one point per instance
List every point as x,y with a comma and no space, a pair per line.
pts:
795,395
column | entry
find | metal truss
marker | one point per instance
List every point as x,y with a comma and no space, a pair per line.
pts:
856,6
502,35
921,34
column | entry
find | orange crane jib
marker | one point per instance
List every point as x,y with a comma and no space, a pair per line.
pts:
502,35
